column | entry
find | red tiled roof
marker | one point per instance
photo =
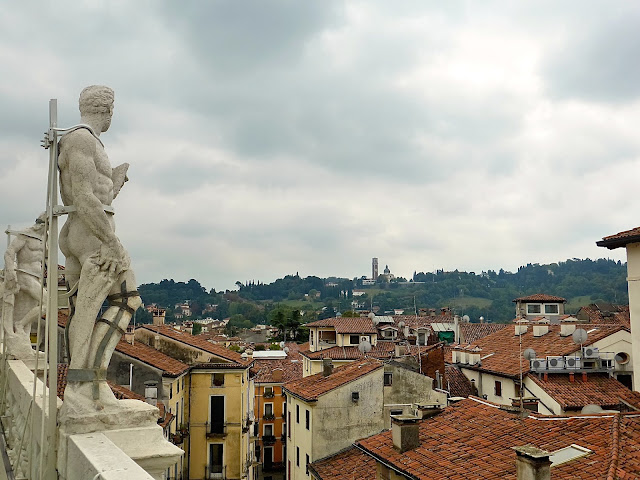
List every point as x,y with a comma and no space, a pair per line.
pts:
620,239
471,332
473,440
540,297
262,369
199,343
599,389
346,324
456,382
613,314
313,386
170,366
500,350
351,464
381,350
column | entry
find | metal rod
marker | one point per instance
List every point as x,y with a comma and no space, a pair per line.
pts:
52,293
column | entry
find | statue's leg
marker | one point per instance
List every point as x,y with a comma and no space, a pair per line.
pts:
123,300
31,286
93,288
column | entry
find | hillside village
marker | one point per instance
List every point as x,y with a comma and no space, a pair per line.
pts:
432,395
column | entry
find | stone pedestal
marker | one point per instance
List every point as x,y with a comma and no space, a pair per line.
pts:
131,425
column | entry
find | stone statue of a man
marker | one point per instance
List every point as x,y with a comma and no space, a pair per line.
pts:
22,289
95,258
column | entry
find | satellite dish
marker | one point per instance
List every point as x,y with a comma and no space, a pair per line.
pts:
286,350
481,319
579,336
281,344
400,325
372,315
364,347
529,354
465,318
338,314
244,355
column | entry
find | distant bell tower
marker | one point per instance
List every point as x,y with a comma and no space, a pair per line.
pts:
374,268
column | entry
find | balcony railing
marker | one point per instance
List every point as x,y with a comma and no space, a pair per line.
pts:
217,472
216,429
274,467
269,417
270,394
283,438
268,439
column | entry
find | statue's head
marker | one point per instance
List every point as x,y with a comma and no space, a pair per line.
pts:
40,221
97,101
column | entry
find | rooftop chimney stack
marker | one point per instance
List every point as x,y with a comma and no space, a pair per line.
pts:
151,392
327,367
276,375
532,463
404,431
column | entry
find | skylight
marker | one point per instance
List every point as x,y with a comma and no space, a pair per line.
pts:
568,454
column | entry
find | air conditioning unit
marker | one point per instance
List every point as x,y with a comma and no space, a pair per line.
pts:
538,364
555,363
590,352
364,339
572,363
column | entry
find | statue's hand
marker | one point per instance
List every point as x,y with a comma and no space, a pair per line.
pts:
113,258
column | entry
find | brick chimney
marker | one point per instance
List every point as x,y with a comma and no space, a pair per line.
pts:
532,463
404,431
276,375
327,367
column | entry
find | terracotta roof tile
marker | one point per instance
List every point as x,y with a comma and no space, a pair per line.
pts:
540,297
599,389
313,386
262,369
350,463
500,350
611,314
149,355
471,332
473,440
381,350
346,324
413,322
458,384
199,343
620,239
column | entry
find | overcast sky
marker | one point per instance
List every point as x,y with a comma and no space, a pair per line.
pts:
272,137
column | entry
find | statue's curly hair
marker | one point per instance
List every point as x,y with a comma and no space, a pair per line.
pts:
96,99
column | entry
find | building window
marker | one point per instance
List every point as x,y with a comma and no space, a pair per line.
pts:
268,392
396,411
498,389
354,339
307,465
533,308
388,379
268,430
551,309
311,338
297,456
268,411
182,383
517,385
216,458
297,413
307,419
170,391
289,425
177,387
216,414
217,380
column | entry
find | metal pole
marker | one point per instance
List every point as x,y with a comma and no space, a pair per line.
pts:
52,293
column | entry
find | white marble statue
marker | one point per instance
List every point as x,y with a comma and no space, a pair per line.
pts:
95,258
21,289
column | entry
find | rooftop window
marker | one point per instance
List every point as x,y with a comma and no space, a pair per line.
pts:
568,454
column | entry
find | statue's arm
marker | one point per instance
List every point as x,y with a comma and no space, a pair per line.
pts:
10,277
119,176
